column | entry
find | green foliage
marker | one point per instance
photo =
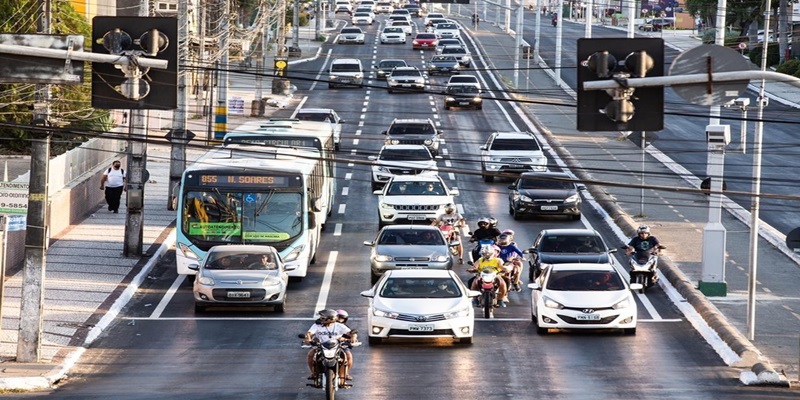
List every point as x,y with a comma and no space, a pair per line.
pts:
797,73
790,67
731,37
70,104
772,54
302,19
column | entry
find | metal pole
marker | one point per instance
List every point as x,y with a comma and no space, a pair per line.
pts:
537,31
587,14
755,222
508,16
221,112
204,76
558,42
178,151
3,252
631,9
644,143
296,24
318,6
518,42
743,135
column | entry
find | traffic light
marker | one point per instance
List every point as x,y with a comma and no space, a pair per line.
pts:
623,109
115,86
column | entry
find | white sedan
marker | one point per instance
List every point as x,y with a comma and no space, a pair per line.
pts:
420,304
363,18
583,296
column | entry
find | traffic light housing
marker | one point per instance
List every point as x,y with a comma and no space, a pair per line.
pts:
639,109
147,37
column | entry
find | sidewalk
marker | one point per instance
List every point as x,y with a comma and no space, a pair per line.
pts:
717,319
88,281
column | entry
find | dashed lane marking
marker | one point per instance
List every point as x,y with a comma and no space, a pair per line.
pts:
337,230
341,208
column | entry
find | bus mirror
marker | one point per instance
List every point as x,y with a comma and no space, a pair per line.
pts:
312,220
315,205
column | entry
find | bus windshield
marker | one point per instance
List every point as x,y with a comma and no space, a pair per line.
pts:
265,217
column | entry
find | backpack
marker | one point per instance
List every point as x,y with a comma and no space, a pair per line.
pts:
121,169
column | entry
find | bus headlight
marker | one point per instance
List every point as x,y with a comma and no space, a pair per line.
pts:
294,253
187,252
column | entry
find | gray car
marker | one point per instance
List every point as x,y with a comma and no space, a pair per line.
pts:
408,247
443,65
244,275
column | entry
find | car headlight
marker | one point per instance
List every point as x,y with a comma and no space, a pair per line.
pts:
464,312
522,197
294,253
622,304
550,303
477,99
380,72
385,314
440,258
448,98
382,169
204,280
415,42
271,281
572,199
187,252
358,76
333,77
392,81
383,258
394,141
428,142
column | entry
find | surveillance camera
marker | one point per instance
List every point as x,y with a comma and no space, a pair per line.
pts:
742,101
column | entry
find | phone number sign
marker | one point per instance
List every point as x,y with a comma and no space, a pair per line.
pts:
13,198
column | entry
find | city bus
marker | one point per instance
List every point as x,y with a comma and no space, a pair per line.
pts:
266,199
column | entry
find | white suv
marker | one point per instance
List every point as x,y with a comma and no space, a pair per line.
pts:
402,159
405,78
511,152
346,71
413,199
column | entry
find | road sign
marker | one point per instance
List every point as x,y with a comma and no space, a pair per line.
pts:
29,69
16,223
13,198
707,59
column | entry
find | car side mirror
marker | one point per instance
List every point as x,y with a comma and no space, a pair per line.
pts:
454,191
378,192
289,267
612,251
484,147
636,286
372,158
341,121
512,187
194,267
368,243
368,293
534,286
384,132
473,293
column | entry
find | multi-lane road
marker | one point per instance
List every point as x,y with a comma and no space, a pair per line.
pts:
160,348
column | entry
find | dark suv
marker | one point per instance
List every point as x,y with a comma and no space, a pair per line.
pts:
561,246
545,193
414,131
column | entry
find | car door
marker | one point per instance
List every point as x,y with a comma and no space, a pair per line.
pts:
534,260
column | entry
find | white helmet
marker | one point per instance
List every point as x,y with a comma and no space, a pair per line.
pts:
487,251
483,220
449,208
643,229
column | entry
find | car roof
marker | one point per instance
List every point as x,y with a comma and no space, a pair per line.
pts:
463,76
569,232
513,135
408,68
316,110
419,273
545,174
411,121
409,227
346,61
416,178
404,146
392,60
352,28
604,267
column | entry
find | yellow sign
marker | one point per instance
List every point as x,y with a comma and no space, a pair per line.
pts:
280,64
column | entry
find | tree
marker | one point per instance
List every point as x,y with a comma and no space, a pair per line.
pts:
741,13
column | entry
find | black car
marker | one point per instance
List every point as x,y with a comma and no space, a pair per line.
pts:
463,95
384,67
413,10
560,246
545,193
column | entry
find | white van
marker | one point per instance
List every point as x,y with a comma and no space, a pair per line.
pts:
346,72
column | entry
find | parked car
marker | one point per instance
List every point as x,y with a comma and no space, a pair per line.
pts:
323,115
563,246
424,41
408,78
511,152
443,65
657,24
244,275
407,247
583,296
462,96
351,35
391,34
401,159
384,67
545,193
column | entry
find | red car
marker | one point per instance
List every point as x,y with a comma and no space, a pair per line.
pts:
424,41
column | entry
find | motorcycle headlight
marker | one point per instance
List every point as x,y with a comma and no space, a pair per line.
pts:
522,197
385,314
294,253
550,303
464,312
622,304
187,252
204,280
383,258
440,258
572,199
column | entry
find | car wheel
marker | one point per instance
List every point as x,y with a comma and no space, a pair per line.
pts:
488,178
375,340
198,307
279,308
331,86
465,340
629,331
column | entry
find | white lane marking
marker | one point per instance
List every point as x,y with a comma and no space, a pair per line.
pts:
363,110
445,152
337,230
460,208
322,300
348,176
167,297
299,106
341,208
451,175
321,70
355,142
447,163
648,305
345,191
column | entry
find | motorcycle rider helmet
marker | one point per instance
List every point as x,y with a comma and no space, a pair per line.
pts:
449,209
327,316
342,315
503,240
487,252
493,222
483,222
508,232
643,229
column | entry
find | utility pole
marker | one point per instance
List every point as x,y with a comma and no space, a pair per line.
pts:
221,113
178,134
29,342
137,164
296,24
201,82
559,36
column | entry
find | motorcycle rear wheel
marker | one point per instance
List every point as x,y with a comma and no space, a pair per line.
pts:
641,279
487,305
330,384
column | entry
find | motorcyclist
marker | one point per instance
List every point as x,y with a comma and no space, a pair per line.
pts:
508,252
342,317
327,328
484,232
644,243
452,218
490,261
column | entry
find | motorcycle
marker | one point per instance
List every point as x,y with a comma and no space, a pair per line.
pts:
328,356
476,252
487,285
644,267
555,21
453,240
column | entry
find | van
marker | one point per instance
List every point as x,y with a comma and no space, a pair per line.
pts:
346,72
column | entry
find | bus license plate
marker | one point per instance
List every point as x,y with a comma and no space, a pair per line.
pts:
588,317
239,295
420,328
549,208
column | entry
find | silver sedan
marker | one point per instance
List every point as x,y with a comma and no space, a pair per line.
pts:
408,247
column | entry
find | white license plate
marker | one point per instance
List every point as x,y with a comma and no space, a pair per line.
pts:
416,217
239,295
420,328
410,267
463,103
588,317
424,45
549,208
405,85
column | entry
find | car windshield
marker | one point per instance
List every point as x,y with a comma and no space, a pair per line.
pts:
416,237
446,26
416,189
426,36
406,72
449,42
415,288
391,64
241,261
314,116
545,184
361,14
515,144
444,59
453,50
411,129
584,281
463,79
393,30
571,244
401,23
420,154
462,89
345,68
351,30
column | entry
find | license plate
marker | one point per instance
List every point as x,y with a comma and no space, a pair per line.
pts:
410,267
463,103
420,328
416,217
424,45
239,295
344,80
549,208
406,85
588,317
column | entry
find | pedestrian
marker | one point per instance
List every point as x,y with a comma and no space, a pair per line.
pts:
124,117
475,19
113,182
